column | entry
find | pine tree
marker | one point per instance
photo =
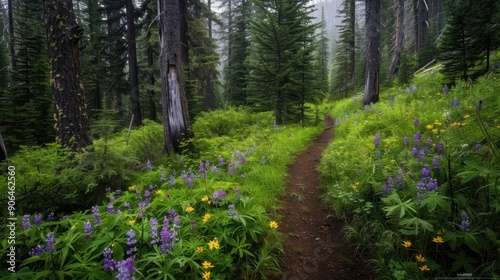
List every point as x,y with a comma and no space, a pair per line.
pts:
468,37
372,76
282,57
323,55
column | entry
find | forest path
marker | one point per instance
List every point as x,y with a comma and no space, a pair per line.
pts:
313,241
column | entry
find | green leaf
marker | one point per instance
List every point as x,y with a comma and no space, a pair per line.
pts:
434,199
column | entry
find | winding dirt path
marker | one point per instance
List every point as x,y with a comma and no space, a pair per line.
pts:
313,242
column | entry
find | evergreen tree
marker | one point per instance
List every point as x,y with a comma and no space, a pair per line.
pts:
468,37
323,55
236,70
135,102
282,58
372,76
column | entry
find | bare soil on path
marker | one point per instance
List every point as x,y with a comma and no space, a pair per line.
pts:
313,241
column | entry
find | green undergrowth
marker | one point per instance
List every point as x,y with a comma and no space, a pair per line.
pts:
208,213
416,177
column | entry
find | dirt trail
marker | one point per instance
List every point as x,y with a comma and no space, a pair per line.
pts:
313,243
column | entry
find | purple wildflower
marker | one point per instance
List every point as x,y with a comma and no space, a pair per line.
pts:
439,148
417,138
147,193
478,147
95,215
126,269
118,192
214,170
171,181
233,213
454,104
25,223
112,198
107,189
127,205
87,228
263,160
148,165
426,184
220,161
162,177
37,250
50,240
377,141
64,217
37,220
50,217
465,222
429,141
229,170
166,238
406,141
384,190
131,242
237,192
445,89
415,122
377,153
154,230
193,225
414,151
219,195
109,263
390,183
421,155
110,209
436,163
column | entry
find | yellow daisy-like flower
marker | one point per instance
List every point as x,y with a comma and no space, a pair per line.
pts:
207,265
420,258
199,250
205,198
131,222
206,218
354,186
159,192
206,275
131,188
436,122
438,93
430,126
424,268
214,244
189,209
437,239
467,116
273,224
434,131
463,124
406,244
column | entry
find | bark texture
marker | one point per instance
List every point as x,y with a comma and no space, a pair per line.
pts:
400,36
63,35
371,93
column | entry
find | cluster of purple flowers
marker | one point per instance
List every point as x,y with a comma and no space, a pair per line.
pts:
126,269
188,177
131,242
219,195
232,212
87,228
465,222
454,104
25,223
168,233
426,184
96,215
48,247
386,188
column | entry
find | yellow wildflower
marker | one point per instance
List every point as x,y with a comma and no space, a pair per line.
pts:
206,275
159,192
189,209
207,265
436,122
430,126
434,131
213,244
420,258
131,188
424,268
354,186
206,218
273,224
131,222
467,116
438,93
463,124
199,250
437,239
205,198
406,243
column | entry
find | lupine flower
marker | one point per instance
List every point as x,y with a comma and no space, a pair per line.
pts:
390,182
147,193
237,192
50,240
131,242
429,141
112,198
377,154
87,228
454,104
421,155
110,209
426,184
478,147
415,122
229,171
50,217
37,250
162,177
126,269
37,220
406,141
465,222
107,189
220,160
219,195
377,141
193,225
215,170
127,205
153,223
414,152
167,237
25,223
109,263
64,217
171,181
445,89
439,148
148,165
118,192
242,158
233,213
385,190
96,216
436,163
417,138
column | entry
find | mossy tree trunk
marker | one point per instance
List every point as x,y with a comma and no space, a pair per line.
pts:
63,34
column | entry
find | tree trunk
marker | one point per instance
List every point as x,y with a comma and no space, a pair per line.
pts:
210,91
372,10
135,102
352,18
63,34
400,37
422,17
174,103
3,150
152,103
12,44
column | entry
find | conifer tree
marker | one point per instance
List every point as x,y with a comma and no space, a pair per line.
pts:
323,55
282,56
372,76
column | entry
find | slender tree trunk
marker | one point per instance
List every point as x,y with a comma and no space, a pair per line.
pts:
422,24
353,42
152,103
210,92
132,65
174,103
63,34
371,93
12,43
400,37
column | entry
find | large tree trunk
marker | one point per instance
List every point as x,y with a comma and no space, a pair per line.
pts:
421,10
132,65
400,37
372,10
63,34
174,103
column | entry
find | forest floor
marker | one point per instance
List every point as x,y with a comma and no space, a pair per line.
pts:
313,240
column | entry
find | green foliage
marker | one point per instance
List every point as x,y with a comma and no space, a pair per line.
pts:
450,223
